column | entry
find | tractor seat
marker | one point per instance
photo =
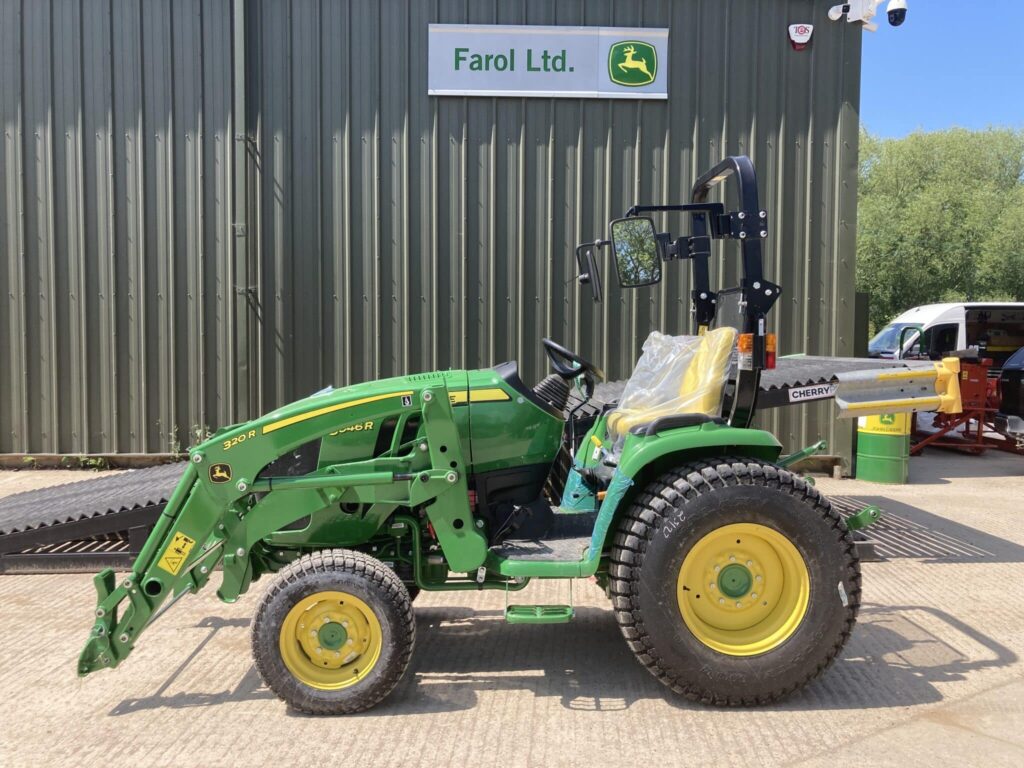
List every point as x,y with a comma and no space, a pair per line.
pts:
675,375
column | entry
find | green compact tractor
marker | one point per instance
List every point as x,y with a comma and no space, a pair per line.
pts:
733,580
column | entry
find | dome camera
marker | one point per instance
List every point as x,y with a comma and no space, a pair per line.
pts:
897,11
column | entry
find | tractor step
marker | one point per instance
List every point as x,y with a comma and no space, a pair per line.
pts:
539,614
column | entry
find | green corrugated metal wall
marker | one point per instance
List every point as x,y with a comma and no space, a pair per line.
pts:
211,208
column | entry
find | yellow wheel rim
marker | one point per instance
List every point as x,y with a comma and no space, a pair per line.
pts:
330,640
743,589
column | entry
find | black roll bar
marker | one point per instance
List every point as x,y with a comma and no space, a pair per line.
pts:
757,295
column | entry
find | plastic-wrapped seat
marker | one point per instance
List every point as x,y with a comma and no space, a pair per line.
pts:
675,375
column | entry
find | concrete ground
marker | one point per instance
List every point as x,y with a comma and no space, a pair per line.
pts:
932,674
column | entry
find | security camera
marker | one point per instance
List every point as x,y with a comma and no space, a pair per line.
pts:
856,11
835,13
897,11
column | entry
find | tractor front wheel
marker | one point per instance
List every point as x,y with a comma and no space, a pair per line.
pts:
334,632
734,581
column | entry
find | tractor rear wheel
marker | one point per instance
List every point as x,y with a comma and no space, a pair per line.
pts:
734,581
334,632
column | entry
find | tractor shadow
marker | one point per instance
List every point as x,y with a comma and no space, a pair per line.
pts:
895,658
897,655
249,687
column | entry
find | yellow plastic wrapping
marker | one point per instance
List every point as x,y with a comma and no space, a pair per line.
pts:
675,374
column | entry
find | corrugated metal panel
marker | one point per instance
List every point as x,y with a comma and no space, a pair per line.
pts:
388,231
116,218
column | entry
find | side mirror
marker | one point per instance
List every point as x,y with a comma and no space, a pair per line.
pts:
637,258
589,274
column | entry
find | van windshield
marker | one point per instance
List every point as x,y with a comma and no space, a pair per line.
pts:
886,340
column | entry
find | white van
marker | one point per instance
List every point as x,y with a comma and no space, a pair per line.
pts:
995,328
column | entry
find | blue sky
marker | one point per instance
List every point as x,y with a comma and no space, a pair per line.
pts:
950,64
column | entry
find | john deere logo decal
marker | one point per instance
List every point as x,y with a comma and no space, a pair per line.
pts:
632,63
220,473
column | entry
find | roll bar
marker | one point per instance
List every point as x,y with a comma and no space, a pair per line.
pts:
750,301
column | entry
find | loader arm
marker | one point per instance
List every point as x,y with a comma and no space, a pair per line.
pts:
219,513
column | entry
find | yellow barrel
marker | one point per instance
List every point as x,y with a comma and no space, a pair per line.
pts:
883,448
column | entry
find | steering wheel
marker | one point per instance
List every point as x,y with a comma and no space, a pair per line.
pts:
569,365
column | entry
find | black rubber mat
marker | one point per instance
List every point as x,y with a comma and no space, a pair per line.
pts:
87,498
568,539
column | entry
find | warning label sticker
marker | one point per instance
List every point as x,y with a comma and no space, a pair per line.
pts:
176,553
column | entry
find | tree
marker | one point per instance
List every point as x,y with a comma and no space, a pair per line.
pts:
940,217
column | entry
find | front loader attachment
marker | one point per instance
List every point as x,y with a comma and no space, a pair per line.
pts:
177,559
124,610
223,511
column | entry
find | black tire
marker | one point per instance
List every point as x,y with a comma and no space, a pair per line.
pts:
356,574
663,525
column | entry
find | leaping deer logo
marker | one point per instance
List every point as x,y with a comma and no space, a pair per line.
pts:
631,63
220,473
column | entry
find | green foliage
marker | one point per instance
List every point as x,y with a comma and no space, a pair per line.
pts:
940,217
198,433
97,463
